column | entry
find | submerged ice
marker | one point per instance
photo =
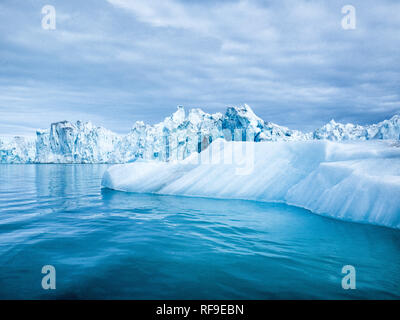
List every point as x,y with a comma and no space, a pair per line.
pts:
175,138
355,181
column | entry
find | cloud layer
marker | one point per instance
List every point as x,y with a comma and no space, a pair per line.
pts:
118,61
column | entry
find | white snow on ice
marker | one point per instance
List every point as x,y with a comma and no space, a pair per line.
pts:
355,181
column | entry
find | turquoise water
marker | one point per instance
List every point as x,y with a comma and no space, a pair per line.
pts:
108,244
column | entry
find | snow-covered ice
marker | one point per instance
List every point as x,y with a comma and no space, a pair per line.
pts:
175,138
356,181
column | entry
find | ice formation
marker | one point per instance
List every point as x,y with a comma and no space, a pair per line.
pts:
355,181
176,138
17,150
387,129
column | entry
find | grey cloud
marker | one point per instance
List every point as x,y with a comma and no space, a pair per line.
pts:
119,61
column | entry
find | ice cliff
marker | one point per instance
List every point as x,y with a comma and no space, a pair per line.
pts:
354,181
177,137
17,150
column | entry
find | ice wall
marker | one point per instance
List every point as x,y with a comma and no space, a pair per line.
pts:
17,150
175,138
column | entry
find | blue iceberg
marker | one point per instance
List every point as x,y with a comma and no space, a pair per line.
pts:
355,181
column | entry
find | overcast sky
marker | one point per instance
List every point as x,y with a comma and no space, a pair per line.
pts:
117,61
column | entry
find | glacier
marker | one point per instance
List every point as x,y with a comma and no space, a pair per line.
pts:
352,181
175,138
17,150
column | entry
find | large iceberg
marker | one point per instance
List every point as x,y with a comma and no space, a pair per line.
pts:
355,181
175,138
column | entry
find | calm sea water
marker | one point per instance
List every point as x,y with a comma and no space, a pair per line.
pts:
108,244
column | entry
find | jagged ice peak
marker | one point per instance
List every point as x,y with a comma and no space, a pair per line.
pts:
175,138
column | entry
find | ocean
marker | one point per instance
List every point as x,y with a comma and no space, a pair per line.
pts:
105,244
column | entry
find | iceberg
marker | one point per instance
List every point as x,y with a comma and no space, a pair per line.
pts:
353,181
385,130
75,143
176,138
17,150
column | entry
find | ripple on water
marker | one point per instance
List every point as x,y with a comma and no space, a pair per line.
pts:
109,244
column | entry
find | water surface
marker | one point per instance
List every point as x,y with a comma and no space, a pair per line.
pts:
106,244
